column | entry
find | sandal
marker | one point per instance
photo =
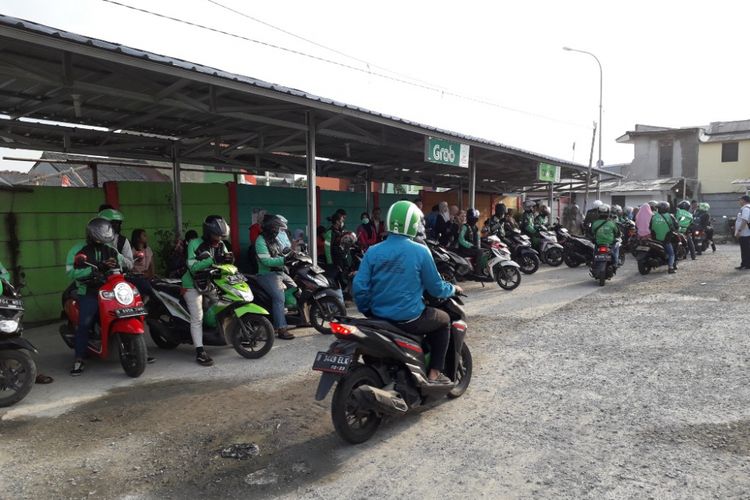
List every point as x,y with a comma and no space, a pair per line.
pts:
43,379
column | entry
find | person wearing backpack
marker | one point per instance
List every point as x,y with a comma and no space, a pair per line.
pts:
663,224
606,231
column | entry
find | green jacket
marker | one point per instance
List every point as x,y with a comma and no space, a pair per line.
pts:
195,247
528,224
605,231
4,274
684,219
467,237
661,225
78,275
541,220
265,259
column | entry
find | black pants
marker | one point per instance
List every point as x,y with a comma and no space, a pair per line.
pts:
436,326
745,251
473,253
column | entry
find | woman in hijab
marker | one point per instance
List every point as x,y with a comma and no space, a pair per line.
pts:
441,232
643,221
367,236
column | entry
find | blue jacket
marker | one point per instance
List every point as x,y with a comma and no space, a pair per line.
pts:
392,278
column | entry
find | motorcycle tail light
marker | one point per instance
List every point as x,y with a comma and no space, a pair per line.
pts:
603,249
341,330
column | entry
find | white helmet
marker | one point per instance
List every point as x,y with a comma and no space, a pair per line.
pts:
603,208
597,204
528,204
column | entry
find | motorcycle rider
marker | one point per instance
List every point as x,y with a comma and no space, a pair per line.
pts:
334,254
528,224
270,268
606,231
97,251
122,244
662,225
592,214
702,217
496,224
392,279
203,253
542,218
468,240
617,214
685,220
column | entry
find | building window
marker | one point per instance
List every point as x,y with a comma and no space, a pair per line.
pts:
618,200
729,151
665,158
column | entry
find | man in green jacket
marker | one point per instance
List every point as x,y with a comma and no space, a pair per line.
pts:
606,232
685,220
662,225
468,240
270,267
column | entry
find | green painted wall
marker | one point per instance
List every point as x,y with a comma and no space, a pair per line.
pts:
50,221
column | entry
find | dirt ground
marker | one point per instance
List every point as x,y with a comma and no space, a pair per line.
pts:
638,389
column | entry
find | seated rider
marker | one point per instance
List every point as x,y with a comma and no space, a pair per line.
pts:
392,279
86,262
202,253
606,232
468,240
662,226
496,224
269,252
685,220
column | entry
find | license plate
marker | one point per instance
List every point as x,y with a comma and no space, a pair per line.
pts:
332,363
317,269
236,279
129,312
642,249
601,257
11,303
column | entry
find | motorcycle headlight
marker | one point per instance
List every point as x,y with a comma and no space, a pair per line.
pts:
8,325
124,293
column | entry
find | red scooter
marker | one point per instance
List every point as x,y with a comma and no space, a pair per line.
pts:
121,318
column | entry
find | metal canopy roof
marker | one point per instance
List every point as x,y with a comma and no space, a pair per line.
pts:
70,93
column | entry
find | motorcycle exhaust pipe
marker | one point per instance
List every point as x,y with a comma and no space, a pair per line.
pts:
378,400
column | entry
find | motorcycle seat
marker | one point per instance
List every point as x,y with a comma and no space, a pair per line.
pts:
387,326
171,287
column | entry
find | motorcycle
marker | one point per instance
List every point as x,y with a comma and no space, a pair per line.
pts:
550,251
520,250
629,238
120,319
577,250
381,370
602,267
699,238
650,254
499,267
310,299
229,314
17,368
680,246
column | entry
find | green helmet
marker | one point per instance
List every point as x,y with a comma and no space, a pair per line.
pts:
111,214
404,218
704,206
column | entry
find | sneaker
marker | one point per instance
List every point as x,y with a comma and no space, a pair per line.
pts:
77,369
441,380
672,270
284,334
740,268
204,359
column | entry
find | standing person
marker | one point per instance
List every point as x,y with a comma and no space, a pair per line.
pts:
442,232
576,220
143,262
177,261
378,223
270,268
367,236
334,254
98,251
122,244
662,225
431,221
202,253
742,231
392,279
685,220
468,240
643,221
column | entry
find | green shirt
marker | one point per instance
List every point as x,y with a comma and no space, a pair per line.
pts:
465,237
684,219
265,260
194,265
661,225
527,223
605,231
4,274
78,275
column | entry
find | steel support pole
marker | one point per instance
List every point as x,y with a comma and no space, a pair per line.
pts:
176,191
460,194
588,173
368,191
473,183
550,196
312,216
598,186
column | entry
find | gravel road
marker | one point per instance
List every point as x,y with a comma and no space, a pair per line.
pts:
637,389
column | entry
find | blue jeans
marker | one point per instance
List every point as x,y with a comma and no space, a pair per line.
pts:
271,283
616,254
88,310
670,254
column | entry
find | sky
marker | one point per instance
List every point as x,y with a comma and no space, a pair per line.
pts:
669,63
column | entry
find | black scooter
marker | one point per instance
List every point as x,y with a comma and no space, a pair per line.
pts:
650,254
602,264
381,370
316,301
17,368
521,250
577,250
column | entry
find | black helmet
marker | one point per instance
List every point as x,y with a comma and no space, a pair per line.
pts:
272,224
663,207
684,204
215,225
472,216
99,231
500,210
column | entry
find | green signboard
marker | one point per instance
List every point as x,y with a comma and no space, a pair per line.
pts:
548,173
446,152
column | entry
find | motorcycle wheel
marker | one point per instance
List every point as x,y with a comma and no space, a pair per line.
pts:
529,263
354,424
256,341
643,268
571,261
17,376
323,311
160,340
554,257
463,373
132,350
602,280
507,277
681,252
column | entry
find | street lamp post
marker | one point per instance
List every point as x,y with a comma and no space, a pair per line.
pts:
599,162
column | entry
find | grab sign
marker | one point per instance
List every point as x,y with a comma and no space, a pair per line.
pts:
446,152
548,173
